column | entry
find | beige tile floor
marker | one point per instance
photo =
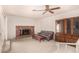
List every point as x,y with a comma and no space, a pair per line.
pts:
29,45
1,43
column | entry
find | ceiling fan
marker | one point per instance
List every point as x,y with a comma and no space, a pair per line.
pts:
48,9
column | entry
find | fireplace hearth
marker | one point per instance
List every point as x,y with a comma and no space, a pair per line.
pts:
24,30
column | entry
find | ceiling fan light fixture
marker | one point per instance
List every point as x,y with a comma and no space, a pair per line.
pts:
47,9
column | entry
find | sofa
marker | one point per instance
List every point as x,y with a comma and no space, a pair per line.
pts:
48,35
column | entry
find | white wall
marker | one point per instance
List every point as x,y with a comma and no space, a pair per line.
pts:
13,21
0,17
2,28
47,23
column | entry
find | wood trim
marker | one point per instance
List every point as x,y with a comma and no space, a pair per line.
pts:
72,25
65,26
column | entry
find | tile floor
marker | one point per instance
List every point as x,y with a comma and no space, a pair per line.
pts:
29,45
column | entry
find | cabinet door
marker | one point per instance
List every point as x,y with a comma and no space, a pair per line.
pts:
76,26
68,25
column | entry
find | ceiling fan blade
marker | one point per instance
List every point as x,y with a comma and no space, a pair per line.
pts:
51,11
47,6
55,8
38,10
44,12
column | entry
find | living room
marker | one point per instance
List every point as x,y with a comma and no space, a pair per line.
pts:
26,17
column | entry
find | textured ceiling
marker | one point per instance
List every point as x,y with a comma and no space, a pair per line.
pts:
26,10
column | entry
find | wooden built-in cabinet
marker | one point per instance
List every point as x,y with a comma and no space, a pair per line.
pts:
20,28
68,38
67,30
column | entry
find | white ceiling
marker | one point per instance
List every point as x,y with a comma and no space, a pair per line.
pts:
26,11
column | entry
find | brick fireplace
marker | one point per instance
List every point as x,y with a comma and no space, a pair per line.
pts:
24,30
